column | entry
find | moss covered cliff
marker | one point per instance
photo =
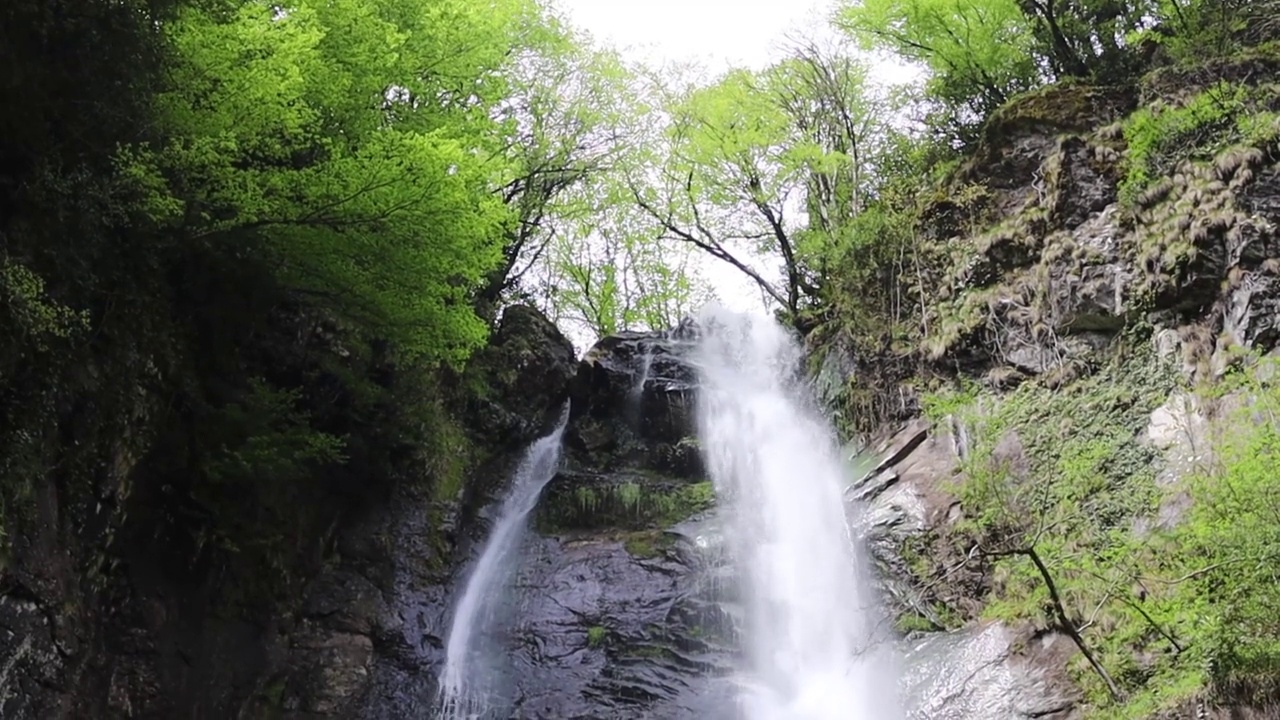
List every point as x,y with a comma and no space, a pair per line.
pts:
1097,289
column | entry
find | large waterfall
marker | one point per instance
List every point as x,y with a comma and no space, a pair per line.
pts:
817,646
814,642
470,683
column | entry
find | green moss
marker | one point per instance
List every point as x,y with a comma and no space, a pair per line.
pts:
452,457
637,504
938,406
596,636
1069,104
1159,137
1064,469
1174,613
911,622
649,651
647,544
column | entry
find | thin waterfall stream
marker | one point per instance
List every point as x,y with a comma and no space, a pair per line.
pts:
470,686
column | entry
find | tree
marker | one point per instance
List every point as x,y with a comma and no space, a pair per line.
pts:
352,146
1019,518
569,120
979,53
609,269
722,178
842,134
770,164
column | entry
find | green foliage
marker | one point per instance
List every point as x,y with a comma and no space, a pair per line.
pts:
733,151
1156,138
604,267
647,544
975,71
269,439
912,623
1063,471
316,149
641,504
1196,29
953,402
1174,610
29,314
1229,543
1004,48
596,636
240,239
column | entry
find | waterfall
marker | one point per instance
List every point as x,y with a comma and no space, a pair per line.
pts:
635,397
816,643
469,684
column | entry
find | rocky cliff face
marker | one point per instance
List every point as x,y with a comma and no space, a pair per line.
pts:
1077,286
149,637
1069,305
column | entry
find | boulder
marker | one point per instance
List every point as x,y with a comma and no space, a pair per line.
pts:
632,404
979,672
520,378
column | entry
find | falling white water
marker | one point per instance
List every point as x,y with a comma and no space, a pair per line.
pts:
816,642
469,684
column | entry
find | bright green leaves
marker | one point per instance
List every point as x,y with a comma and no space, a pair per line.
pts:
1231,539
29,315
243,84
352,145
979,52
765,170
718,177
735,138
1201,126
610,270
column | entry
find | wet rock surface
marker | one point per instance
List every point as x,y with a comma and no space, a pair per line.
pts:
605,632
977,673
984,671
632,405
525,369
620,613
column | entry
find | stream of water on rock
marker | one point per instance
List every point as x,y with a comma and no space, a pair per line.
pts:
817,645
470,683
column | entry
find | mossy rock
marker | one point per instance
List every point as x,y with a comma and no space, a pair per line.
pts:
1250,66
519,379
1063,108
580,501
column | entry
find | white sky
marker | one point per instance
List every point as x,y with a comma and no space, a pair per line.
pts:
719,33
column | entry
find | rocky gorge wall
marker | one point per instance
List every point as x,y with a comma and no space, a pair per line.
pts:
1096,279
152,634
625,600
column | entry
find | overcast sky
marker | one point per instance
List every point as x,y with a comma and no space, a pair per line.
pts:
719,33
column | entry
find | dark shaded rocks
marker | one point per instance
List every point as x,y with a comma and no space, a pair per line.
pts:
1019,137
525,369
632,405
606,633
1083,182
621,500
33,664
